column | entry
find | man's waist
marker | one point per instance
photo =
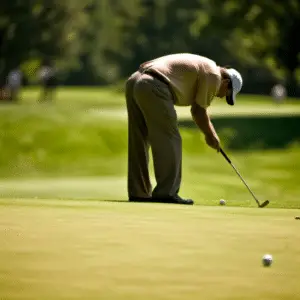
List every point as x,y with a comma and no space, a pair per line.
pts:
161,77
156,74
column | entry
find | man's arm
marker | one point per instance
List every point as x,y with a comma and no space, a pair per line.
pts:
201,118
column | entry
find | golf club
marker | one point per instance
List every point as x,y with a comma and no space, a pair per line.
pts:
265,203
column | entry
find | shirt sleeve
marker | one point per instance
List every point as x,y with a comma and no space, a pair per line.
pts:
207,88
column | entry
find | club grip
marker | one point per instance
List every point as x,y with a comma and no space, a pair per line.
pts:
224,154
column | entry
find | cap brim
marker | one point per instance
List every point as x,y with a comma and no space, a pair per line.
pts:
230,99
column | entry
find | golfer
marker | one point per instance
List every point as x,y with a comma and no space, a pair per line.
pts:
151,93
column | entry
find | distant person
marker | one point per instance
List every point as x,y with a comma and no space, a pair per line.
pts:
151,94
4,93
14,82
278,93
48,78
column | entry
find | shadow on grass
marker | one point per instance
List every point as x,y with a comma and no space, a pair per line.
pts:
145,202
254,132
116,201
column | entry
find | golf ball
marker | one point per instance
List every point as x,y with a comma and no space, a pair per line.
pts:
267,260
222,202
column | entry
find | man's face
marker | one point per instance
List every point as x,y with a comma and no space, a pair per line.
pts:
225,88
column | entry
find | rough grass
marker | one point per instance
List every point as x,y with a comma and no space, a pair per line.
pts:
206,178
58,143
93,250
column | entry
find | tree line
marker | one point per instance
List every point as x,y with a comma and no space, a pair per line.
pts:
100,42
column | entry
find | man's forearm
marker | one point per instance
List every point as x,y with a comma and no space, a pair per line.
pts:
202,120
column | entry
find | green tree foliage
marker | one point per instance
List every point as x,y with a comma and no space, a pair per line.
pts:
107,39
35,29
258,37
258,32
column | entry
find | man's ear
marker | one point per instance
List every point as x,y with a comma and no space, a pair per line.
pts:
227,81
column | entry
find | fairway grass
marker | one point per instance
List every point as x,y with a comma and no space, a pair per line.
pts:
106,103
53,249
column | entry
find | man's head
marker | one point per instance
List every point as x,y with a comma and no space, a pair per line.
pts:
231,84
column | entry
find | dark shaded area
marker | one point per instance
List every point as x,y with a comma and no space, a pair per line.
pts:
254,132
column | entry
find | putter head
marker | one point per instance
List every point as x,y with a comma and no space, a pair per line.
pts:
264,203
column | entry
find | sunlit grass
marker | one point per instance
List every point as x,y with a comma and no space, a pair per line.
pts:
95,250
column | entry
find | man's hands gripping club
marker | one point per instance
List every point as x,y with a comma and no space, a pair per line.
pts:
202,120
213,141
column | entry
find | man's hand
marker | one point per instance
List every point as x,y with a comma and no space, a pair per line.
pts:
213,141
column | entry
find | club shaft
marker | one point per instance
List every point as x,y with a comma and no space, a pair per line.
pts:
238,173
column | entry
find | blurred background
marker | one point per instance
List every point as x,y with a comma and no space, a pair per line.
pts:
100,42
63,65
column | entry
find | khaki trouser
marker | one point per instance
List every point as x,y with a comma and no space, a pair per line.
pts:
152,121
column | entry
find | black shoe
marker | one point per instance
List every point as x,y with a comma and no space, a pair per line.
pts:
174,200
140,199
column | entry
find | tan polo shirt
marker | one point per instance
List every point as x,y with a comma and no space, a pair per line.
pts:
193,78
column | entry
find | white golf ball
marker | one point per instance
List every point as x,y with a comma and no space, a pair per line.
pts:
222,202
267,260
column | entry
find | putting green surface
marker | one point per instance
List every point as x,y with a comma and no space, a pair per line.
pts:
53,249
